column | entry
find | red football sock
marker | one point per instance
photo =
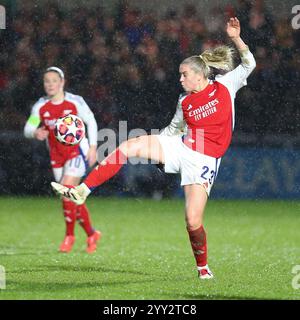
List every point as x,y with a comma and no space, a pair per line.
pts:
83,217
110,167
199,246
69,209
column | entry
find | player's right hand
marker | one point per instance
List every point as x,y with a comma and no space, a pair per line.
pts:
41,134
233,28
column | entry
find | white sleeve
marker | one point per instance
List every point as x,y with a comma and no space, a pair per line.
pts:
177,125
85,113
237,78
34,119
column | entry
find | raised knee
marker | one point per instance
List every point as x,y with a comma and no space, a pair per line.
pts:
130,147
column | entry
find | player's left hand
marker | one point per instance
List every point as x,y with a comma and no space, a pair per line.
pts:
233,28
91,156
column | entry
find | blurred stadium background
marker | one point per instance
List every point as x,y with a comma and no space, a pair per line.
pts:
122,57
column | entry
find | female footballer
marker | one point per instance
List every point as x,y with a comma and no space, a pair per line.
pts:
69,163
196,139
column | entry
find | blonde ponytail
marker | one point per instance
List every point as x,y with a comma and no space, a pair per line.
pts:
219,58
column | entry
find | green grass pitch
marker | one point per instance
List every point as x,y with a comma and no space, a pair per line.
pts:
145,254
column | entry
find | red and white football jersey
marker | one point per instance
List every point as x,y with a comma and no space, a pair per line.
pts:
48,113
207,117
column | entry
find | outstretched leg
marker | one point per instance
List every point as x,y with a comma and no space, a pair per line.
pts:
147,147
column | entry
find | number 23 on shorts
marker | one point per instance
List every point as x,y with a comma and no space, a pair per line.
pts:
208,174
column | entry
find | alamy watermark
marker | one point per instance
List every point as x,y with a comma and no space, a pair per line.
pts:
2,17
194,139
296,279
296,19
2,278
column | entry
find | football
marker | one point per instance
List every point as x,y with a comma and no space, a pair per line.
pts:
69,130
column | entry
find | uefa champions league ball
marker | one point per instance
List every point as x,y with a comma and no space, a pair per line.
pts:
69,130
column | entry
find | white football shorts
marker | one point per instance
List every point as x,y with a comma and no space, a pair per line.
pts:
194,167
75,167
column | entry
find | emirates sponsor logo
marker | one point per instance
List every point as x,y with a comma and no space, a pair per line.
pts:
205,110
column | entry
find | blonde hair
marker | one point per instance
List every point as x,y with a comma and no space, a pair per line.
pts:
219,58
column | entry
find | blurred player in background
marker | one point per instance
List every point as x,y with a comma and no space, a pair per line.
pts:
196,139
69,163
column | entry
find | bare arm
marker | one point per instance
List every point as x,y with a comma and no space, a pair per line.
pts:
233,30
236,78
